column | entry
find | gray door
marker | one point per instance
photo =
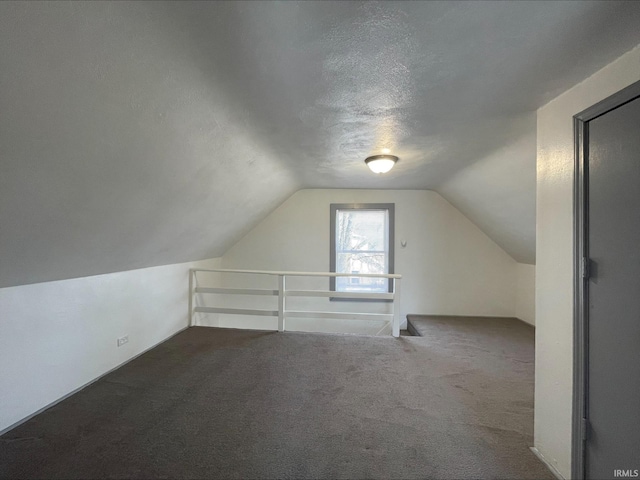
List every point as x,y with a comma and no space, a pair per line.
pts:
612,448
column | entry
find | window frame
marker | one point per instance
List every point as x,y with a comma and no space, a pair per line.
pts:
334,207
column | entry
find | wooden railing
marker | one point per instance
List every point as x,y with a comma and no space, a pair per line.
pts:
393,297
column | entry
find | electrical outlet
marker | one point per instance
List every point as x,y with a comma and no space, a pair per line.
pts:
123,340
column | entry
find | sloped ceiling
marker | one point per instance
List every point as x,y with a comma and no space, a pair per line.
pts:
143,133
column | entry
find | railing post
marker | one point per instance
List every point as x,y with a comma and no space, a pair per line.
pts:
191,275
395,329
281,302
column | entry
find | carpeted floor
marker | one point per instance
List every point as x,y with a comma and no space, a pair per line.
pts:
210,403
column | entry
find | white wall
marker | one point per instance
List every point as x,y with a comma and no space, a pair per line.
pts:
57,336
525,293
498,191
554,268
449,265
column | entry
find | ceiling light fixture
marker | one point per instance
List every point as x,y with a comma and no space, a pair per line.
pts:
381,163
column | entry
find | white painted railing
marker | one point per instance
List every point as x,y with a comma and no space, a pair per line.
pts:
283,293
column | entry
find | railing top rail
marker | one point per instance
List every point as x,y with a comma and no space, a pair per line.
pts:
299,274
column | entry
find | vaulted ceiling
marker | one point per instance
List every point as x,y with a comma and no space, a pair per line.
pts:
144,133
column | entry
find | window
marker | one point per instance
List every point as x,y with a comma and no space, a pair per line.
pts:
362,242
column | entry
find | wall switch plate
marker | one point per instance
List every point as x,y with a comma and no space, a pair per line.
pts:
123,340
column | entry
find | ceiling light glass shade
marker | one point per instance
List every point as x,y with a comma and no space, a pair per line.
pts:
381,163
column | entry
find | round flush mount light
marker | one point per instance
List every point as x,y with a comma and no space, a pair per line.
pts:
381,163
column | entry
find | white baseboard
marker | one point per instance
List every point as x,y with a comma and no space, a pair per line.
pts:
551,468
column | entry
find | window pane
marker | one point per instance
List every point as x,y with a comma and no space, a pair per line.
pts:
361,247
361,262
361,230
357,284
361,236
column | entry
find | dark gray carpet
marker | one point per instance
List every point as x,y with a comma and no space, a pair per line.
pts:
210,403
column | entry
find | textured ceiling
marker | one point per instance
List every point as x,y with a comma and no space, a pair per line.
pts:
143,133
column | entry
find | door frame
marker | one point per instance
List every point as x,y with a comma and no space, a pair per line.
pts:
581,270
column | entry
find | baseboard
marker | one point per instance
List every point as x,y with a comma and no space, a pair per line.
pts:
551,468
524,321
411,329
409,315
64,397
461,316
